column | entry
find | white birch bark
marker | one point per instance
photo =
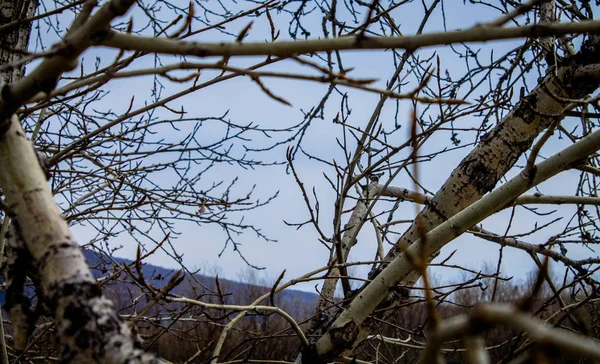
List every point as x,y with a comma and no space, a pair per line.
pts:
547,15
476,175
348,240
346,329
88,328
15,37
498,151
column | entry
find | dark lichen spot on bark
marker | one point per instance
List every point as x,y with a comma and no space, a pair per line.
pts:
99,36
117,10
516,148
82,341
432,206
54,249
343,337
588,53
480,176
487,137
84,290
50,252
86,323
400,292
583,86
67,50
525,109
529,174
359,39
77,317
8,103
456,230
491,136
78,313
202,53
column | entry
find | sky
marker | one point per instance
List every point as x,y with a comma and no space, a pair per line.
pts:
297,250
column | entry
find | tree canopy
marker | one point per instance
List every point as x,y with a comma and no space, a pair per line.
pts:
406,124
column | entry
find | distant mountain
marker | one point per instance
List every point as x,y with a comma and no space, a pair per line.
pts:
299,304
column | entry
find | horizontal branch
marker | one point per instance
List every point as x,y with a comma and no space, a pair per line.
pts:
329,78
478,33
251,308
535,199
279,288
533,249
45,76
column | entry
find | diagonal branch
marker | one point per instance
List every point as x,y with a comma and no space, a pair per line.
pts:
345,330
45,77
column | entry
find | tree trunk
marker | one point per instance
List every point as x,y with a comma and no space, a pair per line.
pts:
88,329
15,38
479,172
498,151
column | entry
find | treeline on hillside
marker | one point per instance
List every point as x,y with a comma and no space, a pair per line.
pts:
188,333
180,333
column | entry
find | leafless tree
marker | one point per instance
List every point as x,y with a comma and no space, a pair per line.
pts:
520,113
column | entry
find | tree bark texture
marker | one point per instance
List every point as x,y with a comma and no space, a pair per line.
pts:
496,153
498,150
88,328
14,39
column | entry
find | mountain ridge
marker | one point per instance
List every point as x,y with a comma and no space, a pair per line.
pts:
235,292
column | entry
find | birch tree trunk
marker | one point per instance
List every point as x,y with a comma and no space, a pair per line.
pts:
15,38
88,328
479,172
498,150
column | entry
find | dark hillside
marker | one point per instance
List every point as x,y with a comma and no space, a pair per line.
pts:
296,301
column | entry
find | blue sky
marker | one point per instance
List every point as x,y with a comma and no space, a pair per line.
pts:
298,251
